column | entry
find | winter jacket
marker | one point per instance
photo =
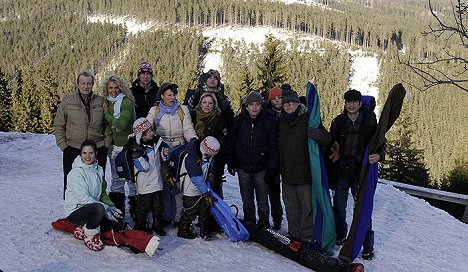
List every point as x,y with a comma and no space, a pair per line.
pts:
294,149
149,178
353,137
85,185
72,125
194,171
253,143
144,100
173,130
123,126
192,98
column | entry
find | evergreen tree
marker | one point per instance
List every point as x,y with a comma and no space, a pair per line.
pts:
404,162
457,180
246,83
49,101
271,65
5,104
25,105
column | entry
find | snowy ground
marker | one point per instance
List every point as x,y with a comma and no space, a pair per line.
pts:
410,234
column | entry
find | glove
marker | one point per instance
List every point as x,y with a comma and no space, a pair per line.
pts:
137,151
232,170
170,180
114,214
209,198
271,176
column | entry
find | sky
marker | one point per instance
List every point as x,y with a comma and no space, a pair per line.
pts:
410,235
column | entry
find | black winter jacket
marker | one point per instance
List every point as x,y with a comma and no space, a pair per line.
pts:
253,143
144,100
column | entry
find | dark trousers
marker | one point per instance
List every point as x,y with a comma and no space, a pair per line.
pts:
193,206
149,202
92,215
69,155
340,202
274,194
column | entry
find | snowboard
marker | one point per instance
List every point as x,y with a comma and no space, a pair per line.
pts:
228,222
303,254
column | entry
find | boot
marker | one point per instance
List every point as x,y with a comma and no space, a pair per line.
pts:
132,203
78,233
158,226
185,231
92,238
119,201
141,224
205,231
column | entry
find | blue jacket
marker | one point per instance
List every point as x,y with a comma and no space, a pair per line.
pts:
253,143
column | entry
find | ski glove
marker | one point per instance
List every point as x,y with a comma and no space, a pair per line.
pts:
114,214
209,198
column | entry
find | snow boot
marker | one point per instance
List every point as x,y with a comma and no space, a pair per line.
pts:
78,233
205,231
185,231
92,238
119,201
158,227
368,253
132,203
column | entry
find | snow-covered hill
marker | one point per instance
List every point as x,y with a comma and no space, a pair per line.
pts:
410,234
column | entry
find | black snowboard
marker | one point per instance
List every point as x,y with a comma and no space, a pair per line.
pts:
302,254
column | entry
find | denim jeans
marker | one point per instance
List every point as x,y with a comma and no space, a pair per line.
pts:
253,185
340,202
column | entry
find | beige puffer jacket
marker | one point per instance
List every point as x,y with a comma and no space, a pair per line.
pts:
72,125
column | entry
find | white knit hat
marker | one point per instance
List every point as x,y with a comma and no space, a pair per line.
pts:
139,127
209,146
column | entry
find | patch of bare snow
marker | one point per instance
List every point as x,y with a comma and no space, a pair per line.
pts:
364,72
133,26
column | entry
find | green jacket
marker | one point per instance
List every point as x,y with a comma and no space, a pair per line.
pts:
123,126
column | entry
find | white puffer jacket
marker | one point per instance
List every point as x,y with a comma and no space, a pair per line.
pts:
171,128
149,178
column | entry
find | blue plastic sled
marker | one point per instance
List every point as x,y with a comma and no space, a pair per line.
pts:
228,222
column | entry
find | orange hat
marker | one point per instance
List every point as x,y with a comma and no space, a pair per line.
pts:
274,92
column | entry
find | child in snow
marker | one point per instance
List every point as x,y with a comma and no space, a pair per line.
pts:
86,202
149,151
194,174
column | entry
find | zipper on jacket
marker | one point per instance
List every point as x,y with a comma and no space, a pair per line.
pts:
251,146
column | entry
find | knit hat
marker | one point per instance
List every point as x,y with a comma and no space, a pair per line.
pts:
274,92
214,73
352,95
166,86
253,96
209,146
139,127
145,67
288,94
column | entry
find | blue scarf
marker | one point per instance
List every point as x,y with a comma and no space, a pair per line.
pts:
164,109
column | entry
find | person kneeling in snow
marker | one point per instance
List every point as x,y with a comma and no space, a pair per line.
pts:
193,177
148,153
86,202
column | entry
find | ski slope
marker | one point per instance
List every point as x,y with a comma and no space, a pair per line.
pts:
410,235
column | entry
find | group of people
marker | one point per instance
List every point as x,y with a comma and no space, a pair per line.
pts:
266,144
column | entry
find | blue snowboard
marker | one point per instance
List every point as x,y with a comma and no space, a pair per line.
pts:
228,222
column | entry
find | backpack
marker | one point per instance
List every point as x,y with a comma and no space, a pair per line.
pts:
178,155
124,165
368,104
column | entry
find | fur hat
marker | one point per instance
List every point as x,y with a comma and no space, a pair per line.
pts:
274,92
253,96
145,67
288,94
139,127
352,95
209,146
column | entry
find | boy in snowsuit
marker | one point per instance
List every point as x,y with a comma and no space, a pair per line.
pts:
194,174
149,153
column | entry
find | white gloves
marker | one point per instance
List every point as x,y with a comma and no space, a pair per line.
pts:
114,214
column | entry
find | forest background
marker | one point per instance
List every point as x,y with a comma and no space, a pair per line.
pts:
45,43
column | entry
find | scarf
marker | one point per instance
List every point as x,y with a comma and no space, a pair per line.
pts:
164,109
290,117
116,101
203,119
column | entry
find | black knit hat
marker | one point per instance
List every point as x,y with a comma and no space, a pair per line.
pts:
288,94
352,95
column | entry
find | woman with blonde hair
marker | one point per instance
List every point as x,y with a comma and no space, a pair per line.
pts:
119,110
